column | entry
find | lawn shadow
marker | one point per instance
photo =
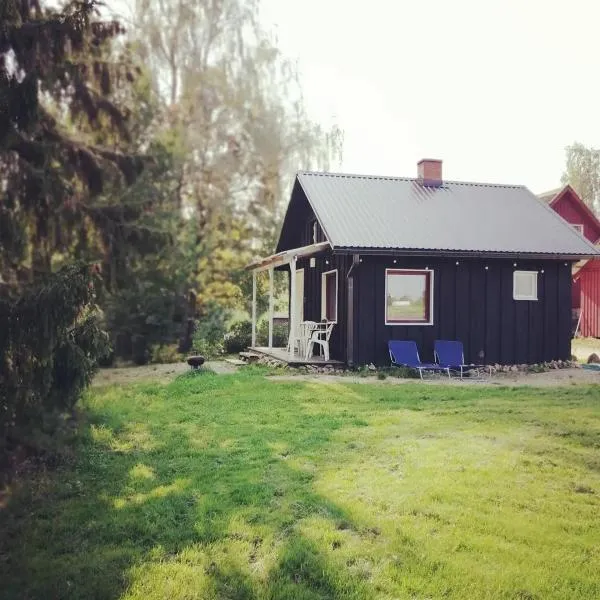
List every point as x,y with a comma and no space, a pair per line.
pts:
147,486
303,572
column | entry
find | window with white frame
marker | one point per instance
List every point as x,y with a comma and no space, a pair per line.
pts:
315,232
329,295
577,227
408,297
525,285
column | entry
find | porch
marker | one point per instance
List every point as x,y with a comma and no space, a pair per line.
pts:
281,260
284,355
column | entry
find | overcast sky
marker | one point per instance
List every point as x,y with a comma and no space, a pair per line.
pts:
494,88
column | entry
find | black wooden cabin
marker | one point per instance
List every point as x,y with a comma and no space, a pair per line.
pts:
424,259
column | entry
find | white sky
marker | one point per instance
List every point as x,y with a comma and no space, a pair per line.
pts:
494,88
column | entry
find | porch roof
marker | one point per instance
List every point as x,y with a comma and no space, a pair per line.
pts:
283,258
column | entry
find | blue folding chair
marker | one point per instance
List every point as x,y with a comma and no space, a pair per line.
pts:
450,354
404,353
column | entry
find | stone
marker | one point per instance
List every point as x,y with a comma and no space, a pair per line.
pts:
249,357
593,359
195,361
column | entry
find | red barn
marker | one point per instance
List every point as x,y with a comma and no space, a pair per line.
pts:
586,273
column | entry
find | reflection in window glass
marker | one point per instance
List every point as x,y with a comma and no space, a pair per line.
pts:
408,296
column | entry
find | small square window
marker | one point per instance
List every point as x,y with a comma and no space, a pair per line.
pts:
525,285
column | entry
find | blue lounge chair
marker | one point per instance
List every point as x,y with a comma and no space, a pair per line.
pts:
404,353
451,355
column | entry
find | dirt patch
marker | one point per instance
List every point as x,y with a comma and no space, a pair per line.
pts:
559,377
153,373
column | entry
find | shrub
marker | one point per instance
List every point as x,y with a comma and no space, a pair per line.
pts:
239,337
280,334
165,354
140,351
210,332
406,373
51,341
146,306
108,360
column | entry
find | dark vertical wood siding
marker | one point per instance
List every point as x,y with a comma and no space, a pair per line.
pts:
472,304
312,296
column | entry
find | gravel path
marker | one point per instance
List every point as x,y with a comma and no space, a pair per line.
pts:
153,373
559,377
166,373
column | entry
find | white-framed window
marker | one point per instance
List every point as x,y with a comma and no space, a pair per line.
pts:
578,227
525,285
408,297
329,295
315,232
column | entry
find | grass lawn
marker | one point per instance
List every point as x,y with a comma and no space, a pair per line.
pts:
235,487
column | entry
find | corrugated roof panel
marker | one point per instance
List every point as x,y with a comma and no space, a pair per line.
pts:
386,212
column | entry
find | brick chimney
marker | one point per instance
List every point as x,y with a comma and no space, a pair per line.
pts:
430,172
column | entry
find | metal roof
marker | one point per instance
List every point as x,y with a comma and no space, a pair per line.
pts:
371,212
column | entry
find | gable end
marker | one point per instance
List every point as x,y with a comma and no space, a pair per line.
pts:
301,225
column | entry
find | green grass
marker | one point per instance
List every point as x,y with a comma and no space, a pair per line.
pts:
241,488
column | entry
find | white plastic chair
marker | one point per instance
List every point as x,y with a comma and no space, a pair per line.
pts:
300,340
321,337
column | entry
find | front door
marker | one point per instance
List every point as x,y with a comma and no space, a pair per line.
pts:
299,300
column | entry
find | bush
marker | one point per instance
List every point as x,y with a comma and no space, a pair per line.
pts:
146,305
140,351
49,350
108,360
210,332
406,373
165,354
280,334
239,337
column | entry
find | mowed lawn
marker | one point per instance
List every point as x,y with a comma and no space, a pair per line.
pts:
237,487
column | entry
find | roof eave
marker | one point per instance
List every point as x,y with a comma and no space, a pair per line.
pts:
462,253
282,258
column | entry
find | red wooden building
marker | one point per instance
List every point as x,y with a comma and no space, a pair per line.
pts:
586,273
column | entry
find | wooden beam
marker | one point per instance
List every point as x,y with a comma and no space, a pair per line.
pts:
285,257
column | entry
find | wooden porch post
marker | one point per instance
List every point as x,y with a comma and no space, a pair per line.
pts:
253,309
271,306
293,326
